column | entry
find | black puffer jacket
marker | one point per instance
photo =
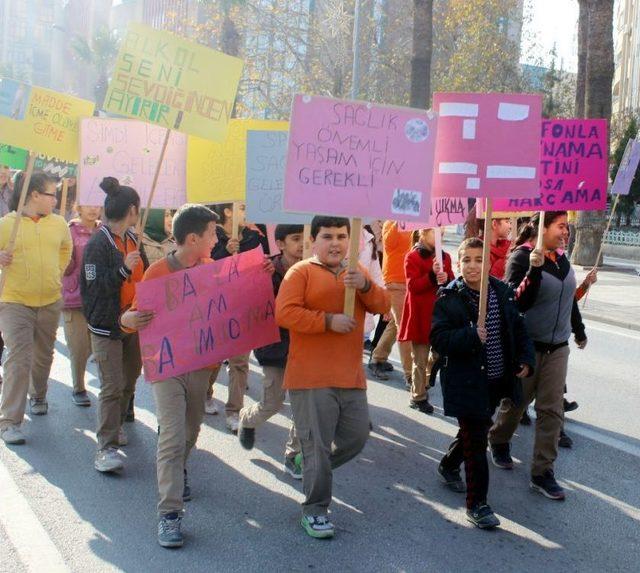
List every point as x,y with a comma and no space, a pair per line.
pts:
249,240
275,354
462,359
101,278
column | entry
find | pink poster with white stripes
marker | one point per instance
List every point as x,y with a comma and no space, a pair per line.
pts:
488,145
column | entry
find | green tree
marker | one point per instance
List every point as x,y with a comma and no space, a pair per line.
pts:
99,55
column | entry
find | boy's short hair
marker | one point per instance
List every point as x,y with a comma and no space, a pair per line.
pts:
191,218
283,231
322,221
470,243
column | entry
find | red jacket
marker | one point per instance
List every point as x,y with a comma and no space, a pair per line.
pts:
498,258
422,291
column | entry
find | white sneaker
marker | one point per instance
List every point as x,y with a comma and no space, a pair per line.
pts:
12,435
122,438
108,460
232,423
211,408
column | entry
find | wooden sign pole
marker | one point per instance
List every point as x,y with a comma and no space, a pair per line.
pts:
307,249
486,266
540,241
514,230
437,232
63,197
16,224
142,222
235,221
354,247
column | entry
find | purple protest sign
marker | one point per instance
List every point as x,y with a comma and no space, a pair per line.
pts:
358,159
573,168
628,168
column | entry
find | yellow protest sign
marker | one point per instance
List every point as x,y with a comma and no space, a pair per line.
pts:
216,172
41,120
158,74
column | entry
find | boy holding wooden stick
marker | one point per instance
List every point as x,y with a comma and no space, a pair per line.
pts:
324,372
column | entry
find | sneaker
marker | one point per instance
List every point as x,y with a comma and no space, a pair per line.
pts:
452,479
525,420
377,371
368,346
318,526
247,437
423,406
565,441
81,399
233,423
108,460
547,485
186,489
482,516
169,530
501,456
386,366
130,416
38,406
408,383
122,438
211,408
12,435
293,466
569,406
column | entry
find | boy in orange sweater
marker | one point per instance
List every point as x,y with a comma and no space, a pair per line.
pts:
324,372
179,400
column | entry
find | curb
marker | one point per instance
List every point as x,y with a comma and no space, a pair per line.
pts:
611,321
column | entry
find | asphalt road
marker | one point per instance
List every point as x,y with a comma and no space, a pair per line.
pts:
391,513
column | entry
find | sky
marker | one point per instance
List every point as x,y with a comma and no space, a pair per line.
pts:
551,21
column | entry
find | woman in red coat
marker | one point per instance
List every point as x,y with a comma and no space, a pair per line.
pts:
424,277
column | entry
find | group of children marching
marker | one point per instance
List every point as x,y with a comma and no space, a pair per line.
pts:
87,271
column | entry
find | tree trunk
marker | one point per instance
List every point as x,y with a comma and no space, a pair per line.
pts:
590,225
421,53
583,39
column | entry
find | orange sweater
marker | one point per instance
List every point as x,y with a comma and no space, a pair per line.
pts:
396,245
320,358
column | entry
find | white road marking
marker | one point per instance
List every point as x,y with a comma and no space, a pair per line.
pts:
34,546
615,330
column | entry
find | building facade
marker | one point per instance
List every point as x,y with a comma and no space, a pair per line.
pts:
626,83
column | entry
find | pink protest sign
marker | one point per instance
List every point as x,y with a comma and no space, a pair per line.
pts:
129,150
574,163
444,211
628,168
206,314
488,145
358,159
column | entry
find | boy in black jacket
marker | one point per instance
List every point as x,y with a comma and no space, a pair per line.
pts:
273,358
478,367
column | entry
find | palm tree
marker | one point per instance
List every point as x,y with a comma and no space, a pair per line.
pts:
421,53
99,55
599,70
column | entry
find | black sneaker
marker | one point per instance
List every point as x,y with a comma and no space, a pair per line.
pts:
130,415
482,516
547,485
569,406
377,371
186,488
423,406
525,420
368,346
169,530
452,479
564,441
501,456
386,366
81,399
247,437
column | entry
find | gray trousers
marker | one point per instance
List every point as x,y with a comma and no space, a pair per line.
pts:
333,426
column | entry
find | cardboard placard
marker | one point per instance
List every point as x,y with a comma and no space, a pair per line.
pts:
206,314
628,168
358,159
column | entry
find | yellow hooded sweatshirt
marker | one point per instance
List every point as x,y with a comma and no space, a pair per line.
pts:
42,253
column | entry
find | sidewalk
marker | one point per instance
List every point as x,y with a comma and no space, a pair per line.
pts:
614,299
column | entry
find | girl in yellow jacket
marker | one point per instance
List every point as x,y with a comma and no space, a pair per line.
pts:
31,300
